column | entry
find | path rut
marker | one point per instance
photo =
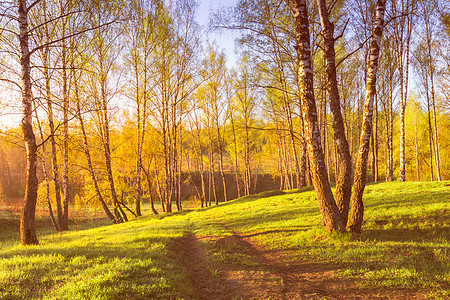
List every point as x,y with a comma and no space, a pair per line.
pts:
262,273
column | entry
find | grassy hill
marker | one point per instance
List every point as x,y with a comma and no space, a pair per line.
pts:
269,245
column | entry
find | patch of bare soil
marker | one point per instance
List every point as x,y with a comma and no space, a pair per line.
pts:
265,274
206,280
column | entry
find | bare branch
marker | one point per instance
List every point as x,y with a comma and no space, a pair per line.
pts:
33,4
54,19
12,82
71,35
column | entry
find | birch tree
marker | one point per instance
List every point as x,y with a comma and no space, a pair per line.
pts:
344,176
402,29
357,209
331,217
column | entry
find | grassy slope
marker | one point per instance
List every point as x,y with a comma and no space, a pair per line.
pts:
405,244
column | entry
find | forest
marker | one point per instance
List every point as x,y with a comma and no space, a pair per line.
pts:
127,102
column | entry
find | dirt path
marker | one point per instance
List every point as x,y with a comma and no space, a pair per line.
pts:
234,267
206,280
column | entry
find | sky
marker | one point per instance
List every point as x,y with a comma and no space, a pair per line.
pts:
224,39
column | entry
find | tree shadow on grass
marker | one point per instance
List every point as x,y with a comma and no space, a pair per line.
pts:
277,231
98,267
427,228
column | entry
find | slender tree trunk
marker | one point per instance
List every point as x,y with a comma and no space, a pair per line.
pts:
212,174
433,105
167,187
303,154
280,159
202,176
222,172
64,225
55,171
287,107
180,162
121,211
236,158
27,217
436,139
391,139
247,172
288,163
107,153
430,133
416,146
344,178
294,152
85,142
431,69
390,129
402,130
331,217
402,53
376,175
152,203
357,211
47,183
139,141
160,192
150,193
89,161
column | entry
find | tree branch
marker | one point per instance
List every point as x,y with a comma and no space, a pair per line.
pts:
32,5
10,81
70,36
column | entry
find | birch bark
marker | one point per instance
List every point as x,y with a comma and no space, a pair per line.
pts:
27,217
330,214
344,177
359,183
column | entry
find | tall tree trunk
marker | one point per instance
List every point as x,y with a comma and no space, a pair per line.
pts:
402,53
247,172
180,164
433,101
391,137
55,171
89,161
430,132
85,140
236,158
302,146
140,130
344,178
286,105
150,193
212,172
294,152
107,153
64,225
161,192
402,130
330,213
200,163
221,169
27,216
376,174
416,146
357,211
390,128
47,183
280,158
152,203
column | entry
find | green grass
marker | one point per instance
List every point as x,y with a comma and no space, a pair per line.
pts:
404,245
